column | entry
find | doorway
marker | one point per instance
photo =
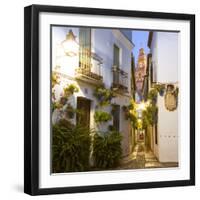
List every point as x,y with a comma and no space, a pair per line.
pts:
116,117
83,115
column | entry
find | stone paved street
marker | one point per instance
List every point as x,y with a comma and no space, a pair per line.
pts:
142,158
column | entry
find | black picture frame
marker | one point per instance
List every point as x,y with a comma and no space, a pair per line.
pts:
31,99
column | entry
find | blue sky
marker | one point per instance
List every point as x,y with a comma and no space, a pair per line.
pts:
140,39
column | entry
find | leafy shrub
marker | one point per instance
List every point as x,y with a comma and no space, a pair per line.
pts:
101,116
111,127
107,149
152,96
131,113
70,148
150,115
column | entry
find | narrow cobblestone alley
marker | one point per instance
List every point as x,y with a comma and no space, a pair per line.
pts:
143,158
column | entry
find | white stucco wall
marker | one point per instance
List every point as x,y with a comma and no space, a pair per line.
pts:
167,57
102,44
164,49
167,133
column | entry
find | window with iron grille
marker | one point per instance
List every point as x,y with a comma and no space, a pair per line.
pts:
85,48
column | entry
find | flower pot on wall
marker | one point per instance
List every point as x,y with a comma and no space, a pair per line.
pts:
161,92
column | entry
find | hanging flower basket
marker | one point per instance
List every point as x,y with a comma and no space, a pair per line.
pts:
103,95
70,90
101,116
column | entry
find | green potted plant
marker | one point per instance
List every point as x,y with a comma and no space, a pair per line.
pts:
107,150
70,147
150,115
103,95
101,116
70,90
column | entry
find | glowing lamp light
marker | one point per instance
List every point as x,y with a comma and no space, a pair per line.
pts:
70,45
143,105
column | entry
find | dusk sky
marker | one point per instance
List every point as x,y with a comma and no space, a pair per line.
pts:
140,39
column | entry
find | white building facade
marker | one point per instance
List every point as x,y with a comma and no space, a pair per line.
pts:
163,69
107,52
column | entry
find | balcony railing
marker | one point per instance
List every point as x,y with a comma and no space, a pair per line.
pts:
120,79
89,67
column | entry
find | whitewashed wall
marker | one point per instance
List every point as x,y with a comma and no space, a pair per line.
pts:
165,56
167,133
102,44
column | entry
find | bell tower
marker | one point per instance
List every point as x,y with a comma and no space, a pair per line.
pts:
140,70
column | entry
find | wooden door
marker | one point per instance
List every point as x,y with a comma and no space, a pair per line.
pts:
116,117
83,106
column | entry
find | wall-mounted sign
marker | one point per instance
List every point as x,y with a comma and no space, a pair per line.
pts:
171,98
